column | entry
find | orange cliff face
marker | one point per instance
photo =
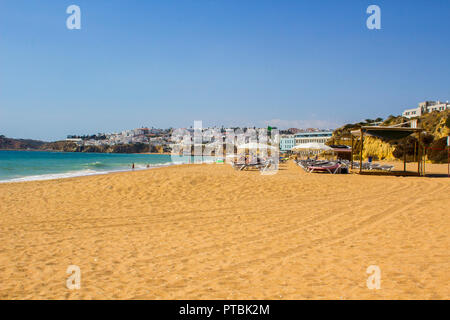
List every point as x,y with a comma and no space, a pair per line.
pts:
435,124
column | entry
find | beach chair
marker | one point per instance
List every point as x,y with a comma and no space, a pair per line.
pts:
386,167
266,165
374,166
304,164
239,164
330,167
252,165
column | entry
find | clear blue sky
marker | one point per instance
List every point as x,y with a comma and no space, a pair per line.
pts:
247,62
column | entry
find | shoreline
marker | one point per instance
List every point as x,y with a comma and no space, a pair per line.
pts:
68,175
71,174
74,164
90,172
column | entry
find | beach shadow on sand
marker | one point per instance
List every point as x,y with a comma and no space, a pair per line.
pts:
402,174
436,175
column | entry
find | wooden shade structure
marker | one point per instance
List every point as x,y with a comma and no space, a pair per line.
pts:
392,133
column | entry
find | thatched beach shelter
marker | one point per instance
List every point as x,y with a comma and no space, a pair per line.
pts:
389,133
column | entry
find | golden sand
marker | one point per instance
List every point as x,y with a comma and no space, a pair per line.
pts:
209,232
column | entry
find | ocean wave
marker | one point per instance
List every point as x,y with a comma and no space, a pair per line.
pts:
96,164
86,172
51,176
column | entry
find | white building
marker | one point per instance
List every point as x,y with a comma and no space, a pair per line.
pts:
316,136
287,142
425,107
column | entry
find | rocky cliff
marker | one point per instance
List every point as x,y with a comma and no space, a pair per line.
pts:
436,125
68,146
19,144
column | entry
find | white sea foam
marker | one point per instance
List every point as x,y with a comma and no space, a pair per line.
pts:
52,176
87,172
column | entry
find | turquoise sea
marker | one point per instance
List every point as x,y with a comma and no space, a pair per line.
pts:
37,165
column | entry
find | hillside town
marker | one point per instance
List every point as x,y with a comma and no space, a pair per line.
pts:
289,138
154,137
162,137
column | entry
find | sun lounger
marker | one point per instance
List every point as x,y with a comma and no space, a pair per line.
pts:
238,165
266,165
373,166
330,168
386,167
262,165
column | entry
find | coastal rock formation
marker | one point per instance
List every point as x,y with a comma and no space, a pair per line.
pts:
19,144
378,149
68,146
436,125
65,146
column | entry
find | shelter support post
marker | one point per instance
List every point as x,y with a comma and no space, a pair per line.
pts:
351,157
415,150
418,152
422,164
361,151
404,155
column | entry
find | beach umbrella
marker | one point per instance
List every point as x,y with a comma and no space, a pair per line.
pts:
219,143
255,145
312,146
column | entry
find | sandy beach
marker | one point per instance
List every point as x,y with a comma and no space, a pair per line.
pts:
210,232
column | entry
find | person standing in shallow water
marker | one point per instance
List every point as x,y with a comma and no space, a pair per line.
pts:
132,166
